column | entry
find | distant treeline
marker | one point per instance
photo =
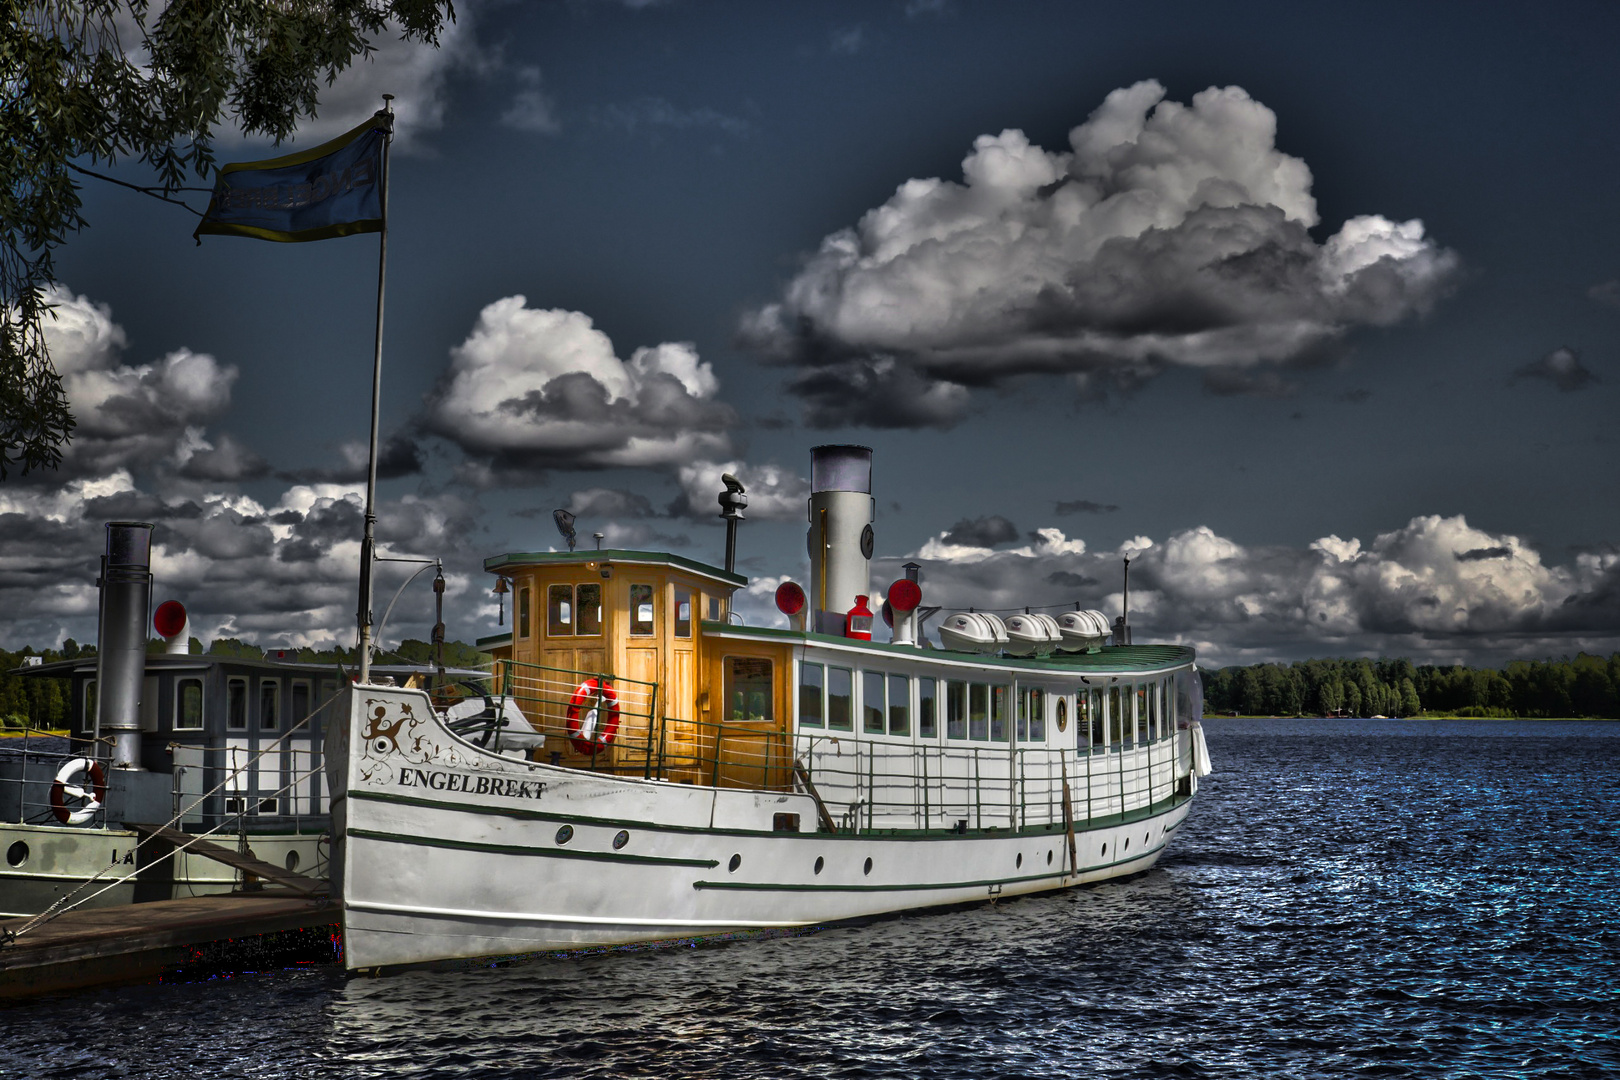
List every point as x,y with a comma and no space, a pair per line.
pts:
31,701
1584,686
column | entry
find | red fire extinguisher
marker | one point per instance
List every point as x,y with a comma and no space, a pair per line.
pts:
858,623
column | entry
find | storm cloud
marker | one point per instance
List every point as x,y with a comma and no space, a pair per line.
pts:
1166,235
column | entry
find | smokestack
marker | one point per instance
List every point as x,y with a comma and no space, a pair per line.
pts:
126,596
840,539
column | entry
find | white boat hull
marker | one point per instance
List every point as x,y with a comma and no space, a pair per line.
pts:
446,852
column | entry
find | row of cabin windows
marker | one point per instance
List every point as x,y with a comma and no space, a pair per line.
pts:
188,703
978,712
576,611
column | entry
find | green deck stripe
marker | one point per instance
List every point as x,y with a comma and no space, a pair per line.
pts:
512,849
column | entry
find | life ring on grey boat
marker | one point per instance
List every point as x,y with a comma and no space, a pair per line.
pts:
593,716
67,785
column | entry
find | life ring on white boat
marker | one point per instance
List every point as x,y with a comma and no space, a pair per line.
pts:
593,716
68,785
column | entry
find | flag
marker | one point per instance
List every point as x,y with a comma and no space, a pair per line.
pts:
334,189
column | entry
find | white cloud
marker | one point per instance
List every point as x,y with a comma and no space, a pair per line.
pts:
531,389
651,113
774,493
1167,234
1562,367
532,109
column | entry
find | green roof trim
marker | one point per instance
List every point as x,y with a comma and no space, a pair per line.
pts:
1112,658
494,639
624,556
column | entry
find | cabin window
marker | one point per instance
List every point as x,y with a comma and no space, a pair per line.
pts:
812,682
683,613
88,721
956,710
300,702
978,712
236,704
1000,713
840,684
523,613
188,704
899,705
1143,735
1099,719
714,609
748,689
269,702
1035,730
1063,714
642,619
590,610
927,709
872,702
1171,700
1118,720
559,612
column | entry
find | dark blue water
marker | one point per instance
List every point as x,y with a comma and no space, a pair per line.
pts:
1350,898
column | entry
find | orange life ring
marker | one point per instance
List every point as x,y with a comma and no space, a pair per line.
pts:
67,783
593,716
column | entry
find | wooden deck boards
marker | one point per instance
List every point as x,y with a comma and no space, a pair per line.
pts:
135,942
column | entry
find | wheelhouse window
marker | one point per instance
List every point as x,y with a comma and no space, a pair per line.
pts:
1000,713
523,613
978,712
872,702
683,613
1143,731
236,704
642,617
1032,715
927,708
1118,707
840,684
899,705
748,690
269,705
574,610
188,704
812,685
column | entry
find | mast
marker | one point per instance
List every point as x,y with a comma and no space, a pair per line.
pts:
368,544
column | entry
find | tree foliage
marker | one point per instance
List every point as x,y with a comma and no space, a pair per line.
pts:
1585,686
105,81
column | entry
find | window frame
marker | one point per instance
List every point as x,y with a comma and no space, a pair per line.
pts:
237,682
180,684
651,595
848,697
928,718
729,684
274,686
683,599
874,718
525,612
903,707
820,695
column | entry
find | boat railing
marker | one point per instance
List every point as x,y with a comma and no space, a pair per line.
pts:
29,767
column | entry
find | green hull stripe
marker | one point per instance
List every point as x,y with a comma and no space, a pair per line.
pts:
510,849
1095,824
1055,878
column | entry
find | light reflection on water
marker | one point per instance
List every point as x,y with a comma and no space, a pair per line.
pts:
1350,898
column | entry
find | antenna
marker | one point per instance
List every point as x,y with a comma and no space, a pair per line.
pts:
565,525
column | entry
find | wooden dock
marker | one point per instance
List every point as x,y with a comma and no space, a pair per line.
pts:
192,937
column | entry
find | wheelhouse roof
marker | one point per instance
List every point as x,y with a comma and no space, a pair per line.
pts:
513,560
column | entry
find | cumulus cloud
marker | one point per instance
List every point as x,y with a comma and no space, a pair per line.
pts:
1436,587
129,415
1167,234
1561,367
983,532
399,455
532,389
610,502
775,493
1606,293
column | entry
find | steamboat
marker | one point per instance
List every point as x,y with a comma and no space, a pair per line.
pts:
642,767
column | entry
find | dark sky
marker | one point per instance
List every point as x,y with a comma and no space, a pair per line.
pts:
1319,321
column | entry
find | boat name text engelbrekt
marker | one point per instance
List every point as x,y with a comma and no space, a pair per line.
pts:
471,785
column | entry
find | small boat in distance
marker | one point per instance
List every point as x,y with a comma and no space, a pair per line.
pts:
644,768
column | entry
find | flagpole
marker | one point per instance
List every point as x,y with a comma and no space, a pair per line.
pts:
369,543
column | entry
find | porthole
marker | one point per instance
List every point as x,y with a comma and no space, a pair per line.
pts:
17,853
1146,837
1127,846
736,861
820,862
868,869
292,860
1105,849
621,839
565,834
1018,863
1048,858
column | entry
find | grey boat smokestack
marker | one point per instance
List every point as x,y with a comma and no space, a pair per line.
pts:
840,541
126,597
